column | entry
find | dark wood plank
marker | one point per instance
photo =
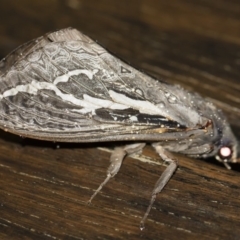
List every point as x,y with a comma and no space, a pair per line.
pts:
44,189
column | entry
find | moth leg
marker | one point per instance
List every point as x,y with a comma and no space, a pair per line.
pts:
163,180
116,160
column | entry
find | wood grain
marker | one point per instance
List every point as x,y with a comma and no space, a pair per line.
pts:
44,186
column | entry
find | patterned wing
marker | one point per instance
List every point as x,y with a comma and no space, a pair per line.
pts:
63,86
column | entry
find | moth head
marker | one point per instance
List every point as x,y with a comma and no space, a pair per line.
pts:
227,146
227,154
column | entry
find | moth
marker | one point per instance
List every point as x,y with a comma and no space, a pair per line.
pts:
65,87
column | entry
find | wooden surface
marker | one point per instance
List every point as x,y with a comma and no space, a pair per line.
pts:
44,188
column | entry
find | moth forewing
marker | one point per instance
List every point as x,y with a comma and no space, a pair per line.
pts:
66,87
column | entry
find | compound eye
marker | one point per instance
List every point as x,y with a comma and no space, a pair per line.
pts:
225,152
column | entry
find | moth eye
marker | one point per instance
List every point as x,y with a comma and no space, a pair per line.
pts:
225,152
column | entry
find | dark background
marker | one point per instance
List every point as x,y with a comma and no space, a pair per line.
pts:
44,189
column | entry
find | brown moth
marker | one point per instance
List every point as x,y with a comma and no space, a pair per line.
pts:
65,87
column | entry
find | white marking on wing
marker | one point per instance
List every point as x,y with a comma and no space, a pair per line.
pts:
143,106
149,108
88,104
65,77
104,103
35,86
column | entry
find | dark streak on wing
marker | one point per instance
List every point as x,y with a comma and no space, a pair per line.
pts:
134,117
